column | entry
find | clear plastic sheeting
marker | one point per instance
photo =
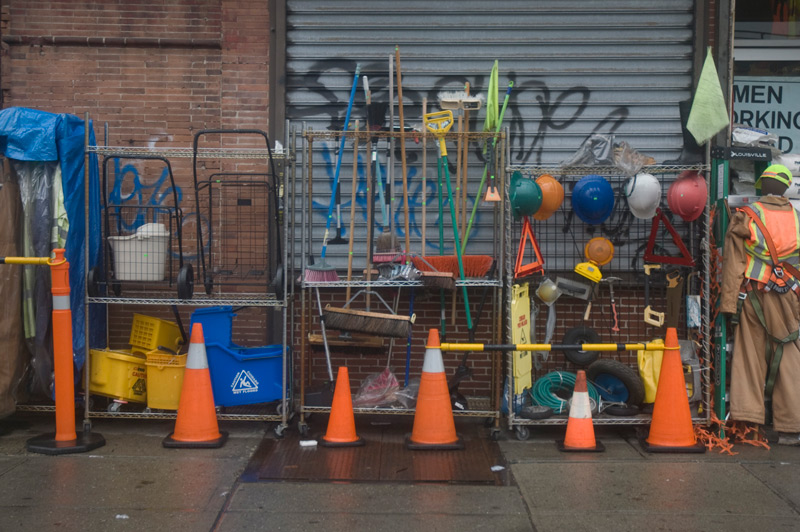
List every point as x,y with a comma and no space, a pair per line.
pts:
12,347
55,142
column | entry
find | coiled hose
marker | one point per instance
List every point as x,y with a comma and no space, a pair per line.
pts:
544,390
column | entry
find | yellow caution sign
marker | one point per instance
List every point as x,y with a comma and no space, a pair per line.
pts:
520,331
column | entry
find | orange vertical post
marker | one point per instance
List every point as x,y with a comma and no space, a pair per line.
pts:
62,349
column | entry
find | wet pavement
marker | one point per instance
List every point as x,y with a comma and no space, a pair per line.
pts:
133,483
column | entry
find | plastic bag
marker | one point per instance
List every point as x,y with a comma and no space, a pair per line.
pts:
407,397
629,160
597,150
377,389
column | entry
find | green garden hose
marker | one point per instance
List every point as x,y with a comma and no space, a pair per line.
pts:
544,390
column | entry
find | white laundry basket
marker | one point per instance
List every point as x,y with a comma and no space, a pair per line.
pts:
141,256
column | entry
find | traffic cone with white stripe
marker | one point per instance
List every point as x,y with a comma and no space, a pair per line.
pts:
580,430
434,426
671,429
196,425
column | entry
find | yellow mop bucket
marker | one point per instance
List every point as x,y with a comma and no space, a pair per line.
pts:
164,379
118,374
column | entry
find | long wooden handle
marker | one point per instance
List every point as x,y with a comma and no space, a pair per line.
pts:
402,151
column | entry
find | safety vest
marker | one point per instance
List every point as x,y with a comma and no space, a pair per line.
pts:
784,228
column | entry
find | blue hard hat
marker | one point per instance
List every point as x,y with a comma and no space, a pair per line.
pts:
593,199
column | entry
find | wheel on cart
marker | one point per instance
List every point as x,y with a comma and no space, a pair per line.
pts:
616,382
93,282
185,282
522,432
302,428
279,430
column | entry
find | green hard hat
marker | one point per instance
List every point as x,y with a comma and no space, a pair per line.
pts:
776,171
525,195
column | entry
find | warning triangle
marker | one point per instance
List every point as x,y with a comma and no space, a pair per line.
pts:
244,383
649,255
537,266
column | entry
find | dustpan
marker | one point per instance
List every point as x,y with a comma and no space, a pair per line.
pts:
364,321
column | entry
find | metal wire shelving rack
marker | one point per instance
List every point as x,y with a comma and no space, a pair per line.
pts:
281,301
623,268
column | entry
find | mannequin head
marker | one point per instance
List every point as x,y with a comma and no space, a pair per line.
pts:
774,180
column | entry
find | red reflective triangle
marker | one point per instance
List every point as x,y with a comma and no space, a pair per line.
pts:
537,266
649,256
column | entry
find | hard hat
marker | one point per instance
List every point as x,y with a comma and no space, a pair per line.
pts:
644,195
593,199
599,250
776,171
552,196
525,195
687,195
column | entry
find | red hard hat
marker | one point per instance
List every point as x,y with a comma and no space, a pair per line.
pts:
687,195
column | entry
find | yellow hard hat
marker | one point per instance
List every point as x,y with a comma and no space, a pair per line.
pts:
776,171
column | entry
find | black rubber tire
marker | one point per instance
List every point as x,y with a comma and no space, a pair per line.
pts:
581,335
93,282
186,282
622,410
277,283
535,412
626,385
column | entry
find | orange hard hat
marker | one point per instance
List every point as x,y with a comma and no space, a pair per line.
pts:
599,250
552,196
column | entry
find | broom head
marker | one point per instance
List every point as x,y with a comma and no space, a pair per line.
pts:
474,265
375,323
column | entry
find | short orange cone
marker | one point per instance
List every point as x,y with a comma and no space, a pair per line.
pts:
196,424
342,423
671,429
580,430
434,427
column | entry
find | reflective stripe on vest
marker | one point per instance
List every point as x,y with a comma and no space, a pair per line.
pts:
785,231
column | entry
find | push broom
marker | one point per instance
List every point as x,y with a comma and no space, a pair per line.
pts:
324,272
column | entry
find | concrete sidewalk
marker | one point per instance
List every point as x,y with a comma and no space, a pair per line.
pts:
133,483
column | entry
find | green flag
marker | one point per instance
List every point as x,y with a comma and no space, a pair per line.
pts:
709,114
492,102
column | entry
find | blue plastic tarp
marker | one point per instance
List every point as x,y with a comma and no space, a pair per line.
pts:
33,135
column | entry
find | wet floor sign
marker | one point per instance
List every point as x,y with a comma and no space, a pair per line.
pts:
521,326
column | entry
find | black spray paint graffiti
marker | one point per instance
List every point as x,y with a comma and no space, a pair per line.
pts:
526,147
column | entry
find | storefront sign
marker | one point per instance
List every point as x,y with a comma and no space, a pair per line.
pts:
772,104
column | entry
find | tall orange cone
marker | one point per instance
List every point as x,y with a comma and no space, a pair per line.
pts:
342,423
580,430
671,428
196,424
434,427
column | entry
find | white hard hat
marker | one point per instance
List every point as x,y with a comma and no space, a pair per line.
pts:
644,195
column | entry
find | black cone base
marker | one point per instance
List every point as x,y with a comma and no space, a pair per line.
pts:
452,446
47,444
358,442
696,448
598,448
170,443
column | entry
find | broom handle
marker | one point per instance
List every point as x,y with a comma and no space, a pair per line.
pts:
403,152
440,194
457,239
486,167
424,176
339,161
352,214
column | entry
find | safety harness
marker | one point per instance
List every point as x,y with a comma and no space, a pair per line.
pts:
784,277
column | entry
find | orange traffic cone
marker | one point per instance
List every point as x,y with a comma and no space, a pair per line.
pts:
434,427
580,431
671,428
342,423
196,424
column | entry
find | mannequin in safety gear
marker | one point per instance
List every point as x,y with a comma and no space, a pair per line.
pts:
744,277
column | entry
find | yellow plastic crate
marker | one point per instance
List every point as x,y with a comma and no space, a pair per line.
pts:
118,374
151,334
164,379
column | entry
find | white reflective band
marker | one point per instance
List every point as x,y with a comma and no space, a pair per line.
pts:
197,357
580,407
60,302
433,361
